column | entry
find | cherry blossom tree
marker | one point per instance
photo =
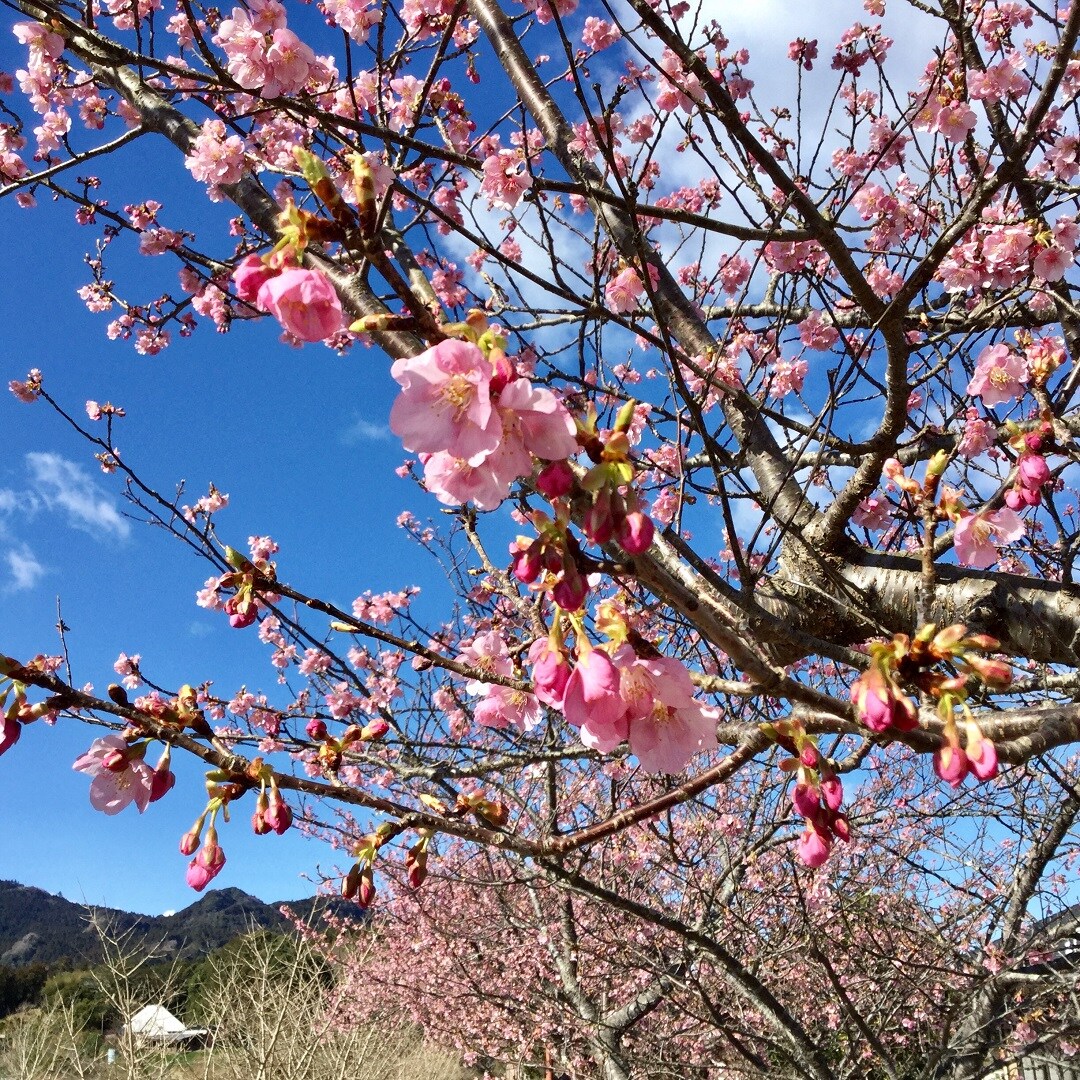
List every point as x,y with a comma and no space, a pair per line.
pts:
885,961
778,386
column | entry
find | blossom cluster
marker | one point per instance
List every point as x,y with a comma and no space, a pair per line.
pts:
609,695
302,300
475,422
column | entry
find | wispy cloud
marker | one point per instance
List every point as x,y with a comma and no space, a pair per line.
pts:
64,485
25,569
362,430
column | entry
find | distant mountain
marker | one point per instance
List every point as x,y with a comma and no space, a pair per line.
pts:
37,927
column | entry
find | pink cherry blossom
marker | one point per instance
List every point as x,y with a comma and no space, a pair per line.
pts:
505,179
817,333
978,436
445,402
592,702
536,417
667,726
1052,262
1000,375
873,512
119,779
599,34
216,158
977,537
487,655
624,290
304,302
505,707
128,667
453,481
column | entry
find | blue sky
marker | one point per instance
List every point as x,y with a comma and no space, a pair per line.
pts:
298,439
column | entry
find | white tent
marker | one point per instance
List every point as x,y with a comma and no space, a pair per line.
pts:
155,1023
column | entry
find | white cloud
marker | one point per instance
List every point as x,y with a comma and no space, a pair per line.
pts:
64,485
362,430
25,570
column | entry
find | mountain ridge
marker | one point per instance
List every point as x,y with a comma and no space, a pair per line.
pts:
39,927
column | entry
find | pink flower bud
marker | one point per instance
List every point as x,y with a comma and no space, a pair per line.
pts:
555,480
951,764
1014,499
805,800
241,613
841,827
809,756
527,560
813,847
570,592
1032,471
249,277
259,824
375,729
599,523
161,783
636,533
832,791
201,872
10,730
982,759
551,672
207,864
316,729
365,890
416,867
189,842
503,371
114,760
278,815
881,705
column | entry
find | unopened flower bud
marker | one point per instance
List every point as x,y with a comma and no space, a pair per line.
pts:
374,729
814,847
571,590
555,480
832,791
599,523
1032,471
527,560
951,764
365,890
636,533
804,798
258,819
279,815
